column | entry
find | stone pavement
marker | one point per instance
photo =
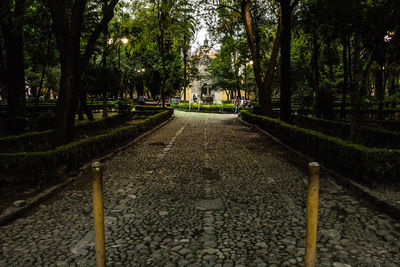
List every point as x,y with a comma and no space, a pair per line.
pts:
204,190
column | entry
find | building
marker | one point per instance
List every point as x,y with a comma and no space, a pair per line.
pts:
202,84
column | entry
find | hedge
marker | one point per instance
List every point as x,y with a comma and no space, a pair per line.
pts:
367,136
362,163
28,141
34,166
214,108
144,107
391,125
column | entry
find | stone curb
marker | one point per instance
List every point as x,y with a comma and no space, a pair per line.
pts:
12,213
377,199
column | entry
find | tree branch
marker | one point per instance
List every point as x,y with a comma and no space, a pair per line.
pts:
220,6
294,4
107,16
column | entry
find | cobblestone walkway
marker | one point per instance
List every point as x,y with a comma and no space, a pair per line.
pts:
204,190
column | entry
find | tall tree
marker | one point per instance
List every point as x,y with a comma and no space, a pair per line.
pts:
264,77
286,36
11,20
356,86
67,23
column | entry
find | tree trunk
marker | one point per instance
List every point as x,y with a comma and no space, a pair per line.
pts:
104,62
39,91
285,40
356,88
350,66
185,56
379,91
161,45
264,87
12,29
271,69
315,60
67,103
83,107
67,25
105,108
345,81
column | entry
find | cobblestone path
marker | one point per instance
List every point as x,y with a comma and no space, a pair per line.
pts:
204,190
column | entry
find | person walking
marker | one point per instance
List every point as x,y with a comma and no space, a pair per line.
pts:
237,103
243,103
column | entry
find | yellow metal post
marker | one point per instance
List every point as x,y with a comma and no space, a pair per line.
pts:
98,213
312,214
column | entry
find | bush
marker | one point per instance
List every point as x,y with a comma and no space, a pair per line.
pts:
363,163
391,125
8,126
213,108
144,107
36,141
367,136
123,105
34,166
24,142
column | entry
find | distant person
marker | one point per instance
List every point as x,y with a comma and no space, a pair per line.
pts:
194,98
237,103
249,105
243,103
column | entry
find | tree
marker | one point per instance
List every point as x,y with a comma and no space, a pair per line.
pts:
11,20
286,35
67,23
252,17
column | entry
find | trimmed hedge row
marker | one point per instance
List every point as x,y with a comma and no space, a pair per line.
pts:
24,142
33,166
367,136
391,125
363,163
27,142
144,107
214,108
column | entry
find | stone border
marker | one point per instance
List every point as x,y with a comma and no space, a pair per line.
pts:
373,197
12,213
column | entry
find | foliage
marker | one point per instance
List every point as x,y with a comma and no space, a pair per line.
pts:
42,166
214,108
369,165
368,136
38,141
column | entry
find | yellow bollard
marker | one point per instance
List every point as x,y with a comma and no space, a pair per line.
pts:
312,214
98,213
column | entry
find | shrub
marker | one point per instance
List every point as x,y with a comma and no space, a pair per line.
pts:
144,107
367,136
363,163
213,108
35,166
36,141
